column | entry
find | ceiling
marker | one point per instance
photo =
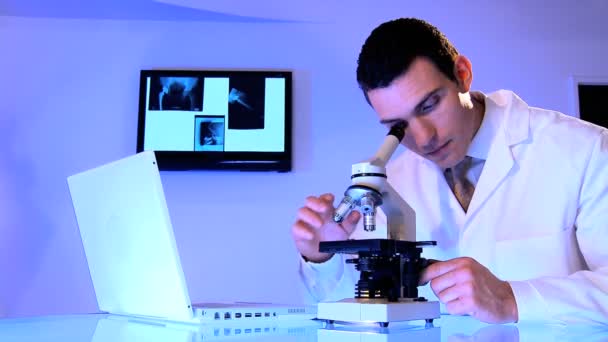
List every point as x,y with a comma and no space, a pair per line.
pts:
178,10
560,19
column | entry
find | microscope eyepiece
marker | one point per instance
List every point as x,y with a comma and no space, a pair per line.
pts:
398,130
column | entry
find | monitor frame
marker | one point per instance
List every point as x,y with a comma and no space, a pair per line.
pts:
205,160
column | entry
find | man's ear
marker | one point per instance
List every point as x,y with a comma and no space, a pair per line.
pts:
463,72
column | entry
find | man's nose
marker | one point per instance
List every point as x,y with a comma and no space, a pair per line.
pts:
424,134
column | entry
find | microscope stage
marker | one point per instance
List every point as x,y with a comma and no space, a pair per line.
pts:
367,310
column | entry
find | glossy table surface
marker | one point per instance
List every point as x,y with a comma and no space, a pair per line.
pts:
100,328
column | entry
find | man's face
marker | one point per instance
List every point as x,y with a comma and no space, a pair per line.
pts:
437,110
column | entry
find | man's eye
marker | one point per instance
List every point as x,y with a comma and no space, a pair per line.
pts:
430,104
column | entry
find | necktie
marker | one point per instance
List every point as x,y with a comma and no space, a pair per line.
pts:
461,187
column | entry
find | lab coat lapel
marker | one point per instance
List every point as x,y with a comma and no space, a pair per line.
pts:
514,130
497,166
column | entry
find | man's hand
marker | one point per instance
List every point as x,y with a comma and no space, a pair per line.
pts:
315,224
467,287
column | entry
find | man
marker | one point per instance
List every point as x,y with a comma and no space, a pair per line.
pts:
530,244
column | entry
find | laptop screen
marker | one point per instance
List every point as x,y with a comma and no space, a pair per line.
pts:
128,239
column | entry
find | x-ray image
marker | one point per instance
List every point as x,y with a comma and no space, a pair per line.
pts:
208,133
176,93
246,102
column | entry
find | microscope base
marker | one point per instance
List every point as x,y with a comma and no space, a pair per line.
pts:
365,310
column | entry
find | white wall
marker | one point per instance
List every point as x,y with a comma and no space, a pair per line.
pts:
68,102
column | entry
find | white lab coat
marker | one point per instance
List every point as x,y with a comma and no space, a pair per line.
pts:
538,217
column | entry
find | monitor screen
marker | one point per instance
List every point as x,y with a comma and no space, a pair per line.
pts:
213,119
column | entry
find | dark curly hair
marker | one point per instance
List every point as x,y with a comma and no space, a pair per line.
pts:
392,47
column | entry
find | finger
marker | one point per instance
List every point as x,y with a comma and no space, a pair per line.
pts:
454,292
302,231
444,281
319,205
329,198
310,217
426,263
459,275
432,261
460,306
350,223
437,269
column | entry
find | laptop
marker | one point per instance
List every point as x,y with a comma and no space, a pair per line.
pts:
131,251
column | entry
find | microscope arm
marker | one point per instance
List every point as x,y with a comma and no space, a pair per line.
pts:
400,217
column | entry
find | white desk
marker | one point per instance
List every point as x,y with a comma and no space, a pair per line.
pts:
102,328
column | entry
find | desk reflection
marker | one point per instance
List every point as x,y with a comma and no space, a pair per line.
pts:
121,329
501,333
465,329
449,328
104,328
397,332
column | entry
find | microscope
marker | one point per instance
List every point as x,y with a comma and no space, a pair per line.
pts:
387,290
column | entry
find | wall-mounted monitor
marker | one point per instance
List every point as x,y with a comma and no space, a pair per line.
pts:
216,119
